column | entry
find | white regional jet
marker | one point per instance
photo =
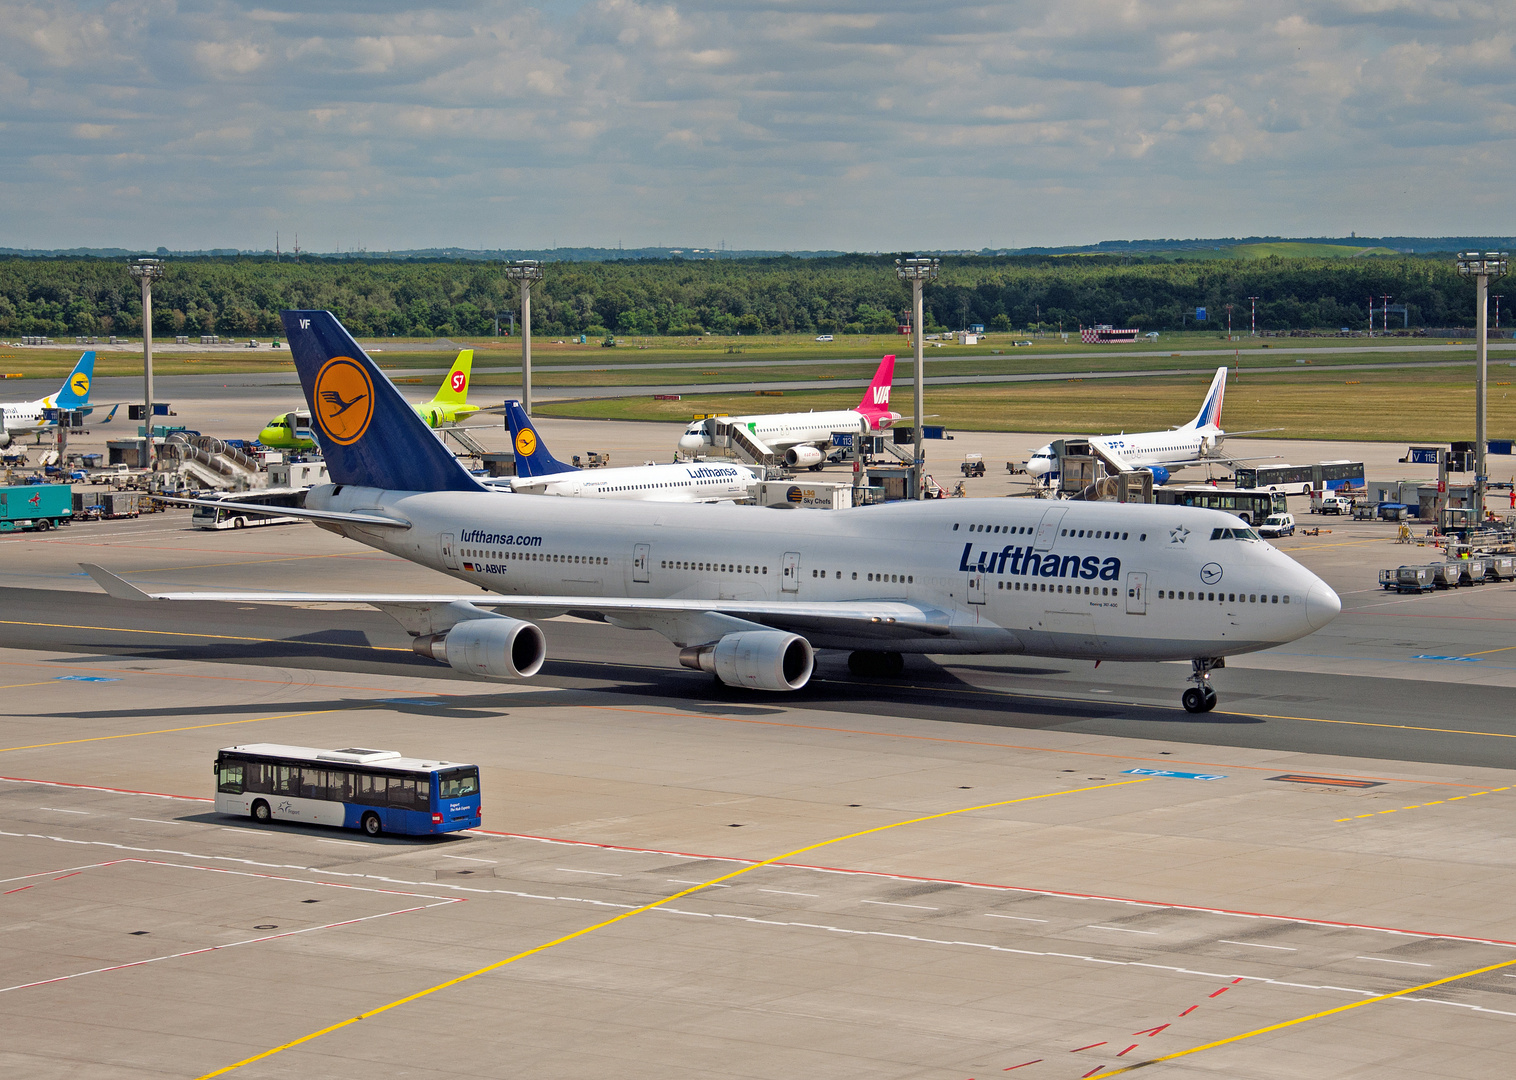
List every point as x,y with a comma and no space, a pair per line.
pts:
1157,452
539,473
803,438
748,593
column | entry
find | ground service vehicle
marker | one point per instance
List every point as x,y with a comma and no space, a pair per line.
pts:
1277,525
215,517
1329,502
35,506
1249,504
374,790
1300,479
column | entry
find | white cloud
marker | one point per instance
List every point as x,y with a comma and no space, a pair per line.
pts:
776,123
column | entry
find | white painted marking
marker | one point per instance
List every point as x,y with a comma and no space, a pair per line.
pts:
887,903
1124,930
1018,918
160,821
681,881
1382,960
55,810
597,873
1255,945
349,843
781,892
465,858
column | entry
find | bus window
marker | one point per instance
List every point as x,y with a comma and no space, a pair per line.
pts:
258,777
313,783
231,777
371,789
286,780
455,785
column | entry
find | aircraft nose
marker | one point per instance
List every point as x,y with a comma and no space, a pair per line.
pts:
691,442
1322,605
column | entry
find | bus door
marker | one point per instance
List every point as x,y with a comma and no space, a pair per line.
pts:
1047,531
789,580
448,549
1136,594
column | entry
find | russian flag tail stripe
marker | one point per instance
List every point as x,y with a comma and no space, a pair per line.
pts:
1210,412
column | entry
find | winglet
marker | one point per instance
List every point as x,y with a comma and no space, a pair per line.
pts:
120,588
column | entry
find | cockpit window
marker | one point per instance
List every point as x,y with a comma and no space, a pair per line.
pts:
1234,534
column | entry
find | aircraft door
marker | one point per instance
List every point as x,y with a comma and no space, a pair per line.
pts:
790,577
1136,594
976,587
642,555
1047,531
448,549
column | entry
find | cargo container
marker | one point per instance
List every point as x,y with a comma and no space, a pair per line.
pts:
35,506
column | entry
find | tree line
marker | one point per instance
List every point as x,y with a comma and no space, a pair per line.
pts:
242,296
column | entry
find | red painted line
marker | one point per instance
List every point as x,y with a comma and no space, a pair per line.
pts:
1191,1009
1127,1051
22,889
112,790
1089,1047
1150,1032
1093,1071
1236,981
1023,1065
1223,990
76,873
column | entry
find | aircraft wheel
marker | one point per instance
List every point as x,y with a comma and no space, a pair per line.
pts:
1210,700
1194,700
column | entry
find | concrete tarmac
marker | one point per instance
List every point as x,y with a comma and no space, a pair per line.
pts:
969,870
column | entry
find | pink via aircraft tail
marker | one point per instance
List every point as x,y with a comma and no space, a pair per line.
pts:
876,399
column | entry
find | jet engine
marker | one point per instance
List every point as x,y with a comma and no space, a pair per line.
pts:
802,457
494,648
5,436
756,659
1160,474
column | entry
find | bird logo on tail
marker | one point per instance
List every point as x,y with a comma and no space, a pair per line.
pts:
345,400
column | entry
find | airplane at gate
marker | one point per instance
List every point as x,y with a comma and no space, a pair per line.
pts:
30,417
749,593
539,473
1158,452
292,430
803,438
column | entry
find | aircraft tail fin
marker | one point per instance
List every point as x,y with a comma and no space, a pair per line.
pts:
876,399
454,389
532,457
1210,412
369,434
74,393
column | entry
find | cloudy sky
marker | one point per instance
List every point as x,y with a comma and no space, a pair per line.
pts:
767,124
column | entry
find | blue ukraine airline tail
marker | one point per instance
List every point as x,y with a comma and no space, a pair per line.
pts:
1210,412
369,434
74,394
532,458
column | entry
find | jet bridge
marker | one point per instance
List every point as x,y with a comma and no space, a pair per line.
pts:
1087,473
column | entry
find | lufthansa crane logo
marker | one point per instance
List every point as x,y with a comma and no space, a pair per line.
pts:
460,380
79,384
344,400
526,442
1210,573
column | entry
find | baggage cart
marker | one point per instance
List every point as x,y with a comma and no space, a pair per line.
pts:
1500,567
1445,575
1471,570
1408,579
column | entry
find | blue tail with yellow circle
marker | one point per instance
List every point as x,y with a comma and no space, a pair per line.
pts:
532,457
369,434
74,393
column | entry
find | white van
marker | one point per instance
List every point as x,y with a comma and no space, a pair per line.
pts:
1278,525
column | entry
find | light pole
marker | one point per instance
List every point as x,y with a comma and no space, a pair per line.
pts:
147,271
1481,267
918,272
525,273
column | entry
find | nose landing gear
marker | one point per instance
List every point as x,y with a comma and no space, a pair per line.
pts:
1200,697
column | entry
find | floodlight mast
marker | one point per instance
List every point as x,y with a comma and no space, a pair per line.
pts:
1481,266
918,272
525,273
147,271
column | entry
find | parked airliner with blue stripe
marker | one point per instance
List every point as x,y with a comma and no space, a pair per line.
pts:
748,593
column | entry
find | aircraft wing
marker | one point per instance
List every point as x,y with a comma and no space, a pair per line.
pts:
880,620
371,520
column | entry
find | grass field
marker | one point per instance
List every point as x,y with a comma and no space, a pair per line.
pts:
1413,405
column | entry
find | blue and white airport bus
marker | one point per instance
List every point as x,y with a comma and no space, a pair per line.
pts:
377,791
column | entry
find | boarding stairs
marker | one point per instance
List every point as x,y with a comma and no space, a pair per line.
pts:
471,446
213,463
744,444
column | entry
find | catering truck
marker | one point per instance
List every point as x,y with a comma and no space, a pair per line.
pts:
35,506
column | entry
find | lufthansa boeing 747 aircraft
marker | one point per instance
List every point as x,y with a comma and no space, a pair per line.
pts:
748,593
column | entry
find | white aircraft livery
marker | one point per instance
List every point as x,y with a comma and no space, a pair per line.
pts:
30,417
748,593
804,437
1157,452
539,473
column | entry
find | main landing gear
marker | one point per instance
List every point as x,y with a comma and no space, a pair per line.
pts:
1200,697
866,663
